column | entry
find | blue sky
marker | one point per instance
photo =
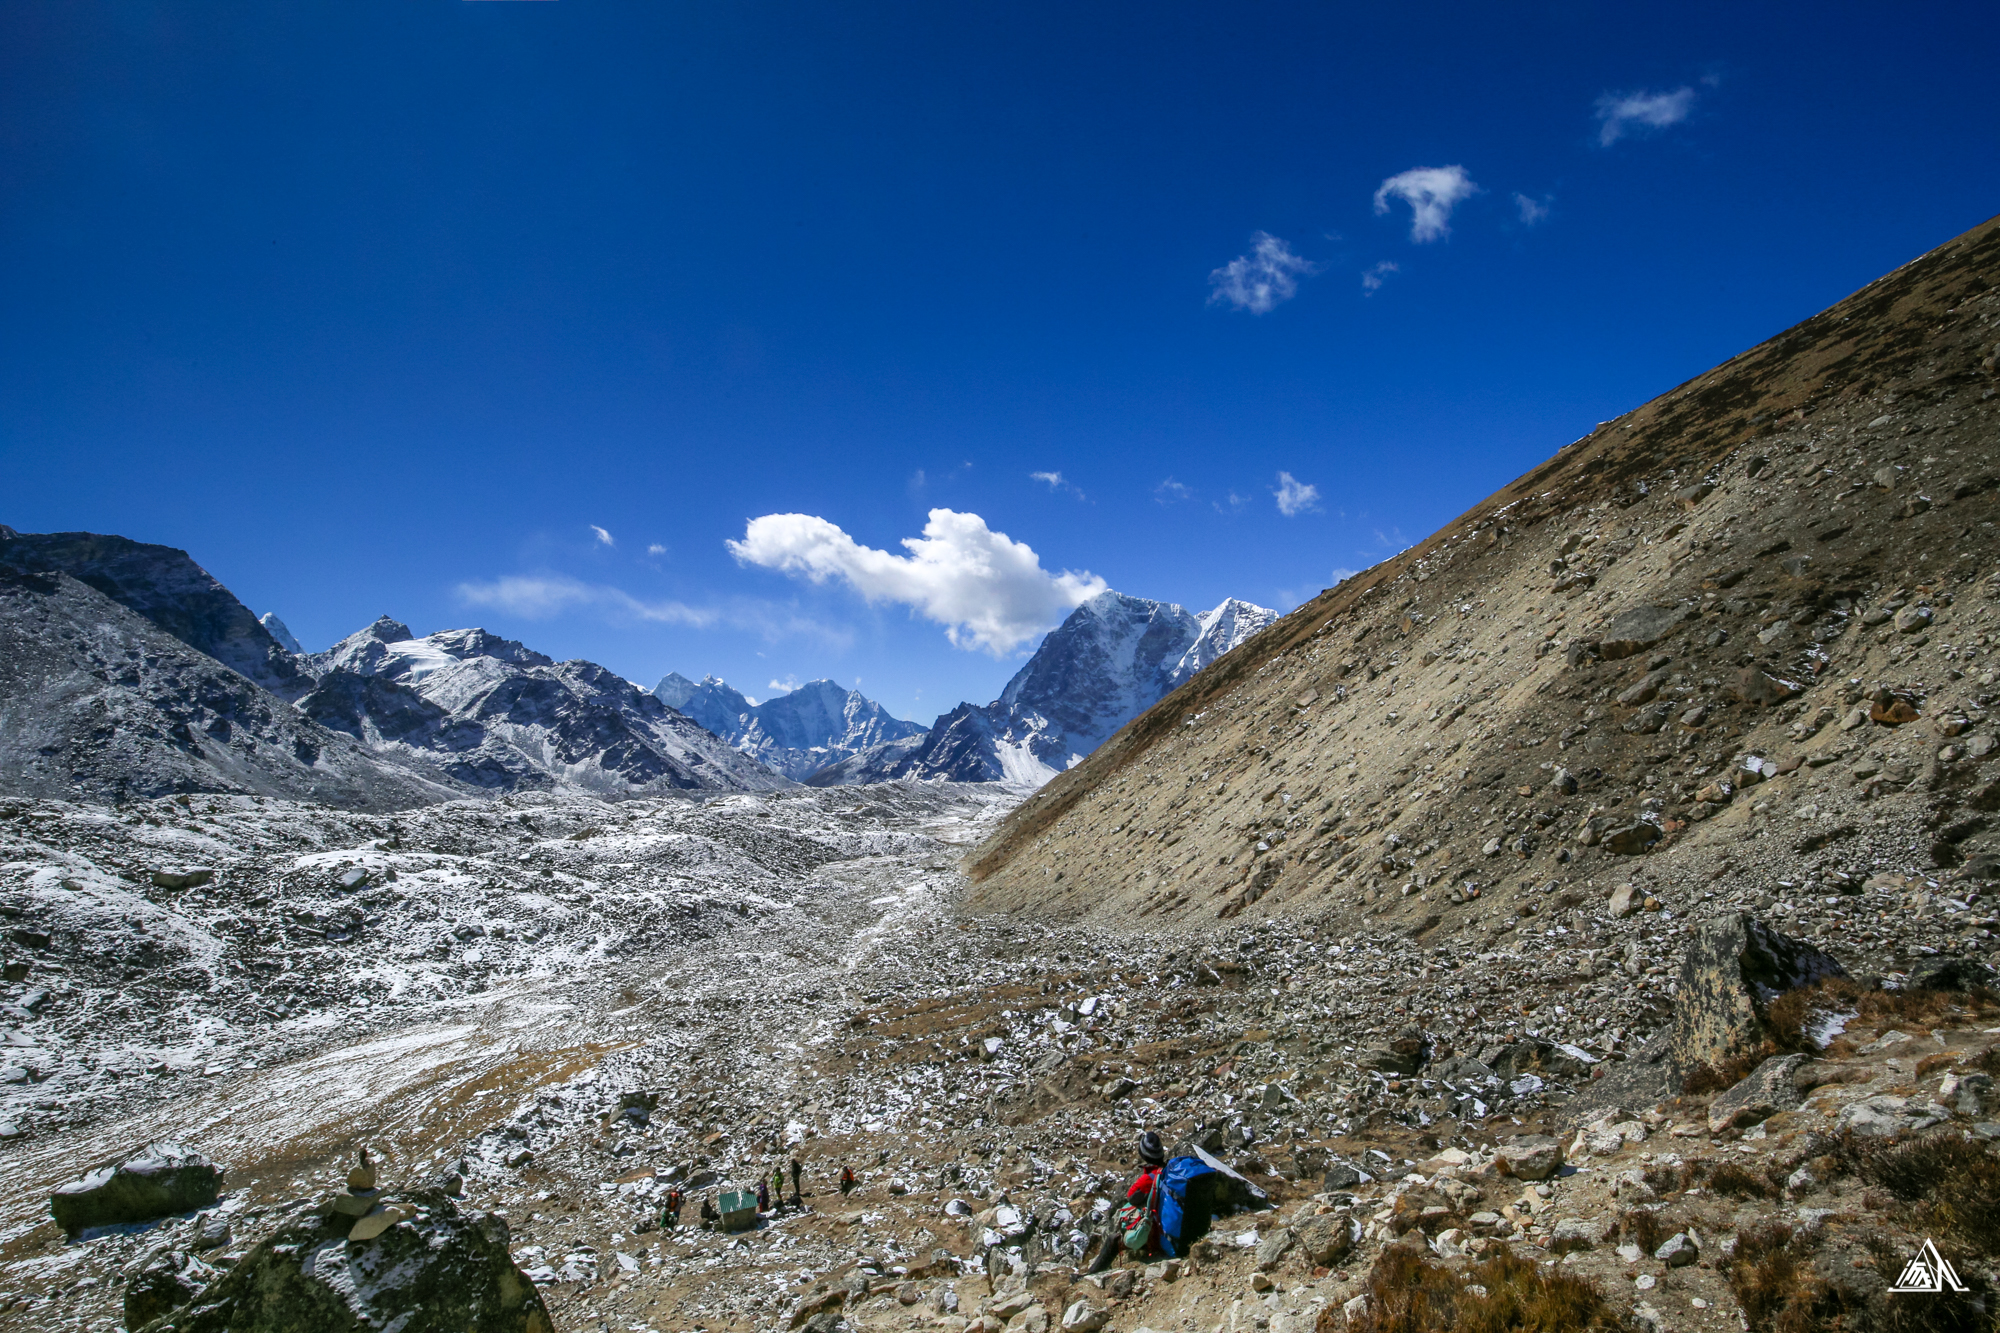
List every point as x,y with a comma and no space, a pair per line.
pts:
519,314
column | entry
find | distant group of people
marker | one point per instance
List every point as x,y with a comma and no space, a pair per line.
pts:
770,1195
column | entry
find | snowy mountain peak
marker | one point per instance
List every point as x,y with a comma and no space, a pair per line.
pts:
674,690
1221,629
820,723
286,639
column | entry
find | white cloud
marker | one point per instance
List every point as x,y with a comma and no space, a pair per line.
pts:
656,549
1056,483
1620,114
1258,281
1531,210
1431,193
989,591
1372,277
1295,497
602,535
785,686
1340,574
540,596
1170,491
1231,503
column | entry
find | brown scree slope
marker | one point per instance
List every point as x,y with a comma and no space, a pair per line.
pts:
1814,522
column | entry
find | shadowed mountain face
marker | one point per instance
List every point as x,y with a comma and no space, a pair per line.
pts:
1744,624
168,588
99,703
1111,659
796,734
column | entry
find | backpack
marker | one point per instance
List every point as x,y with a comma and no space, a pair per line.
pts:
1187,1203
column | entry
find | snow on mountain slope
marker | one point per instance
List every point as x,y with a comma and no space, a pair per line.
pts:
281,632
674,690
493,713
1112,659
797,734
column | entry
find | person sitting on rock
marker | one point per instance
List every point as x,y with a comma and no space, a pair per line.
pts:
709,1217
1142,1205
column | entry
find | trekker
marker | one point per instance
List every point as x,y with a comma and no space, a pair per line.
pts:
763,1195
846,1178
709,1217
778,1185
1140,1209
670,1214
797,1171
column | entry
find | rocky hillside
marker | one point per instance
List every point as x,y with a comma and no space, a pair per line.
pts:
1733,646
97,702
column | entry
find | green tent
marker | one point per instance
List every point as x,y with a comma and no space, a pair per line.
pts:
739,1209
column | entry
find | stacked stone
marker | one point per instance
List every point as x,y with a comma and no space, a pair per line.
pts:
362,1201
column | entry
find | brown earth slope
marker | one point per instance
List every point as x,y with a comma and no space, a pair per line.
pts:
1562,688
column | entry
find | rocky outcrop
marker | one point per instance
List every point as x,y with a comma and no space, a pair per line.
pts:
1735,967
167,588
1765,1091
164,1179
101,703
433,1269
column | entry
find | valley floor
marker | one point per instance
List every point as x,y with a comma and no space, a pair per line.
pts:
794,975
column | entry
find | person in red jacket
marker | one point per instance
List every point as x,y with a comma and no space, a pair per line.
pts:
1142,1200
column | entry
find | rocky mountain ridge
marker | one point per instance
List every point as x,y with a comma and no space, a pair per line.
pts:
1111,658
795,734
130,672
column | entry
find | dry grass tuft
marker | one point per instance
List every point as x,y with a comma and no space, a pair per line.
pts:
1645,1228
1409,1293
1920,1007
1951,1183
1722,1077
1771,1275
1729,1179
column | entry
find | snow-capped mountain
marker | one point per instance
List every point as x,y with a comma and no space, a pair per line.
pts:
795,734
278,630
495,714
1111,660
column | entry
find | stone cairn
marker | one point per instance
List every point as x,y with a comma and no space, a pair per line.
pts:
362,1201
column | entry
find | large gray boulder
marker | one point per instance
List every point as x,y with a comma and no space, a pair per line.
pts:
1636,630
164,1179
1767,1090
1735,967
435,1270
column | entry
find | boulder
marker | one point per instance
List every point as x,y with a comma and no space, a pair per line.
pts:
163,1279
1735,967
1324,1239
1530,1156
1636,630
1274,1247
1083,1317
187,877
1630,839
1767,1090
164,1179
1679,1250
436,1269
1759,688
1955,974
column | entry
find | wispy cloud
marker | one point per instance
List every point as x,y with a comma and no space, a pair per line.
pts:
1374,275
989,591
602,536
1295,497
1532,211
1231,504
1431,193
1261,280
541,596
785,686
1337,574
1056,483
656,549
1620,114
1170,491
